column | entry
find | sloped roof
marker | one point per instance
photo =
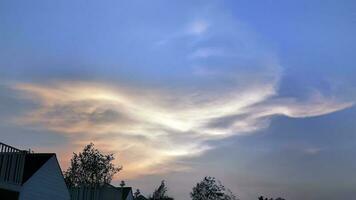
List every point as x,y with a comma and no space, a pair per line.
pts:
125,191
122,193
33,162
141,197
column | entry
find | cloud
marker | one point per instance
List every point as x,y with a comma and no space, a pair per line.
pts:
312,151
151,128
197,27
207,52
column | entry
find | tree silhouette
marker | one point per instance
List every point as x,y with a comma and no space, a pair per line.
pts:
262,198
90,167
210,189
160,193
122,184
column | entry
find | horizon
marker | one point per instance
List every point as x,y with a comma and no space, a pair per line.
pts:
259,94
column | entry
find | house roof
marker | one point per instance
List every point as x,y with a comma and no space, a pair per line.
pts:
140,197
125,191
33,162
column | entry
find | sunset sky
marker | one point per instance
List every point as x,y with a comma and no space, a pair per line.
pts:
259,94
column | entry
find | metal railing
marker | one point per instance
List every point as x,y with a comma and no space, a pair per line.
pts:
4,148
12,162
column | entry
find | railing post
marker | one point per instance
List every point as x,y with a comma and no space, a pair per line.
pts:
12,163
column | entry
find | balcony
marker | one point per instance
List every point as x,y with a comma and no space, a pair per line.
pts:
12,162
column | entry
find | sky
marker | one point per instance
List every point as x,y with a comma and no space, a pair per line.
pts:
259,94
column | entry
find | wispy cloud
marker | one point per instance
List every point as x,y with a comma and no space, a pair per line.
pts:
312,151
197,27
207,52
153,128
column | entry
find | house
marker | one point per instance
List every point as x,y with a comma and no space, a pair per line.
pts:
141,197
103,192
30,176
127,193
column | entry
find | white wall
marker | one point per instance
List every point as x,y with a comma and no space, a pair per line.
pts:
46,184
129,196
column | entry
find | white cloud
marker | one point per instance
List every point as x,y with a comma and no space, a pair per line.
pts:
197,27
151,128
312,150
207,52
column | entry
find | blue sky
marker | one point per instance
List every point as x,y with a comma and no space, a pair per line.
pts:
259,94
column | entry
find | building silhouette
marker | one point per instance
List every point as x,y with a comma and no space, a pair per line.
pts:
30,176
101,192
25,175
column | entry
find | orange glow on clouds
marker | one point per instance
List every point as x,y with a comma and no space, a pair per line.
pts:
150,129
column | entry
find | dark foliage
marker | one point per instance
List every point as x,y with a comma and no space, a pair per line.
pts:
90,167
122,184
265,198
210,189
160,193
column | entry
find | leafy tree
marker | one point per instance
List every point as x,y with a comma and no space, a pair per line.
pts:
211,189
160,193
90,167
122,184
262,198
